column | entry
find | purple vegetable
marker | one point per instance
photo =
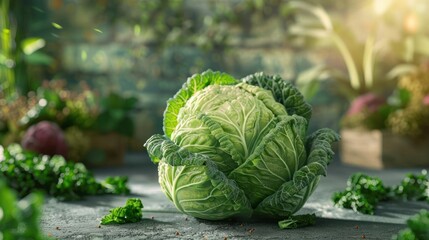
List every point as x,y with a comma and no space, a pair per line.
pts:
45,138
426,100
367,102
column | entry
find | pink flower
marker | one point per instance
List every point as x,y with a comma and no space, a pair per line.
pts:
426,100
45,138
367,102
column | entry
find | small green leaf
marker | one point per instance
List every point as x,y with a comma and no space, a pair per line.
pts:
298,221
30,45
57,26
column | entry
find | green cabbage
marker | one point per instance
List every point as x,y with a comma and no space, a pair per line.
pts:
239,148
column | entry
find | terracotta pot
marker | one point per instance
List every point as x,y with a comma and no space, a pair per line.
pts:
382,149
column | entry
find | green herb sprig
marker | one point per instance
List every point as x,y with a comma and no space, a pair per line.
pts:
364,192
130,213
361,194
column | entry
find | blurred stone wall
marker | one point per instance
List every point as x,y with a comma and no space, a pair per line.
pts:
108,49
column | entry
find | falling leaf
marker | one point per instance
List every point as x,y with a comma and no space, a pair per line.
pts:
57,26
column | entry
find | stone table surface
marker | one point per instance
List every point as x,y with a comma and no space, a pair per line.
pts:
161,220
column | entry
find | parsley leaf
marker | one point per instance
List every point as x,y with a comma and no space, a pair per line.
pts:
362,193
418,228
130,213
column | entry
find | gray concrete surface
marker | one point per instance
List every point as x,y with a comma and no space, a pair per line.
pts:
80,219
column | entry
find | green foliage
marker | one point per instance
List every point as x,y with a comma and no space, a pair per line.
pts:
76,110
130,213
67,111
236,147
114,115
369,119
26,172
117,185
414,187
411,116
19,219
418,228
362,193
21,59
173,22
298,221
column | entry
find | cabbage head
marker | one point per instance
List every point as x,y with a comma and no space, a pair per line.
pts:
237,148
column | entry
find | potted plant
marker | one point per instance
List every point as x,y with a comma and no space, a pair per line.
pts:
380,133
96,128
384,121
110,131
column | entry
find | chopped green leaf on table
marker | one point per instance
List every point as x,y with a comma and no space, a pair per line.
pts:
418,228
116,185
362,193
298,221
130,213
414,187
26,171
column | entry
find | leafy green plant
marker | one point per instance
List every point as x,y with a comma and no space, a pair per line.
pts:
404,112
19,219
364,73
364,192
114,115
18,50
58,104
359,74
413,187
130,213
116,185
411,116
418,228
236,147
26,172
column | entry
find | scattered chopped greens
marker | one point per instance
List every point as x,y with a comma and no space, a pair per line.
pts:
353,200
19,219
414,187
116,185
130,213
362,193
298,221
418,228
26,171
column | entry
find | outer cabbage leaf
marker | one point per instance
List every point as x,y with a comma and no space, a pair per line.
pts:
192,85
226,123
292,195
284,92
194,184
278,156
